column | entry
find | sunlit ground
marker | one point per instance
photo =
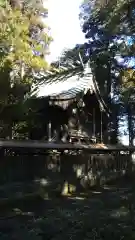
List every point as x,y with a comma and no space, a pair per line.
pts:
106,213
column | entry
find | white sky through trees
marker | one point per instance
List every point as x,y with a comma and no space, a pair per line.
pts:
63,19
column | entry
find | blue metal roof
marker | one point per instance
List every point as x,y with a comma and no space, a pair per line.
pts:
67,85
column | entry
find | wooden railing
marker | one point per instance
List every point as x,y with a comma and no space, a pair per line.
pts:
14,144
80,166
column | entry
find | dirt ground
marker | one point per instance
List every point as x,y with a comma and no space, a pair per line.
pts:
106,213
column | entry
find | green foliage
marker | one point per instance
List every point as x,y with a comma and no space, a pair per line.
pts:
24,43
105,22
18,45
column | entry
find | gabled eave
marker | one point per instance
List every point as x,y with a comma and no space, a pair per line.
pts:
69,83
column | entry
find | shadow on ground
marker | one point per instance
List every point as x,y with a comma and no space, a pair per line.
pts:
106,213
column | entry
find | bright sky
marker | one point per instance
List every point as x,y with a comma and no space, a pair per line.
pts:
65,26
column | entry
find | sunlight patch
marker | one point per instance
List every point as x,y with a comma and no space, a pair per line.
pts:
121,212
77,198
95,192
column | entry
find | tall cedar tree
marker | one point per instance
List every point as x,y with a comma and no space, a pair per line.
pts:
24,42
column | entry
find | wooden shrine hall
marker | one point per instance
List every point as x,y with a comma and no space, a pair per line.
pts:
76,110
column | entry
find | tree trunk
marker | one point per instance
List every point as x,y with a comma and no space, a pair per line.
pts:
114,125
131,137
130,124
